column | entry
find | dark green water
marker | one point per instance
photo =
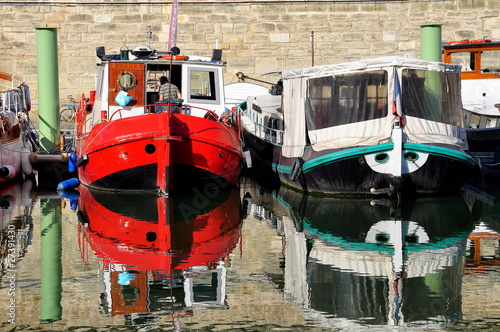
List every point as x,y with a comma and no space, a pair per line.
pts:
248,259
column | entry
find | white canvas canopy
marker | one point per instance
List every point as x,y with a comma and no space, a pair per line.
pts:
370,128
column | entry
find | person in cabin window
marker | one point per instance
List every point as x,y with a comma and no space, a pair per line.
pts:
168,94
166,88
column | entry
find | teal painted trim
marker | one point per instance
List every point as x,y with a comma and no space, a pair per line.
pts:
345,154
438,243
441,152
280,200
282,169
362,151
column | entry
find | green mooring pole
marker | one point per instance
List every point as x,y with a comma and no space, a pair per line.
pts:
431,50
51,260
48,89
430,42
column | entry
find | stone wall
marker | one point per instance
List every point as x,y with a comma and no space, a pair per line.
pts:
256,37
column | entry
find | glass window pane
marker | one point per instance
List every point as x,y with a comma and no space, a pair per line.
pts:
432,95
342,99
202,85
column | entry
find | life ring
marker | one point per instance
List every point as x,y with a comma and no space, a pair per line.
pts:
481,41
175,57
465,41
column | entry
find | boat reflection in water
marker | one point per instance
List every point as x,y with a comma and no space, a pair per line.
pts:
352,263
161,255
16,224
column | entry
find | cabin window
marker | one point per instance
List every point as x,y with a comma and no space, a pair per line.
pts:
467,60
203,86
126,81
490,61
342,99
432,95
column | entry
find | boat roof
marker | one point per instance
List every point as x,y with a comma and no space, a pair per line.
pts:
150,56
370,64
198,60
470,44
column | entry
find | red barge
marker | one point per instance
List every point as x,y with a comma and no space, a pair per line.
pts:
128,140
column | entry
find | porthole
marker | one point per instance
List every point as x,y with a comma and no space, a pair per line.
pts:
381,157
126,81
150,149
411,156
382,238
411,238
151,236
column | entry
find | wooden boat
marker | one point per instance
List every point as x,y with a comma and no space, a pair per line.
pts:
480,61
149,145
153,243
15,147
388,125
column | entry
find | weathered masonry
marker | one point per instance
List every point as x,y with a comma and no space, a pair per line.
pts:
256,37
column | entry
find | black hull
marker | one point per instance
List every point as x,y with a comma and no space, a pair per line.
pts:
187,179
483,140
484,144
353,175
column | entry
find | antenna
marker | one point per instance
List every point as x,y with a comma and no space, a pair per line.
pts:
149,35
312,47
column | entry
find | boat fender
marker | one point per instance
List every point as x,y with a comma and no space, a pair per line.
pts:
7,172
68,184
296,169
69,194
247,157
72,195
26,166
72,163
73,204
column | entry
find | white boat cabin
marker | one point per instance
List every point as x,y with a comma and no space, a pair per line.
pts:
199,79
480,63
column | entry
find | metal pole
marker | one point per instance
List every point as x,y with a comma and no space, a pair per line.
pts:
48,89
51,264
312,47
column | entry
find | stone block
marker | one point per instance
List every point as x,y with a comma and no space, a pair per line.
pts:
263,27
255,38
5,45
103,18
6,17
279,37
205,27
76,28
29,17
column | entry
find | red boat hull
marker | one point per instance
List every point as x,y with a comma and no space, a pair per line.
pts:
147,233
158,152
